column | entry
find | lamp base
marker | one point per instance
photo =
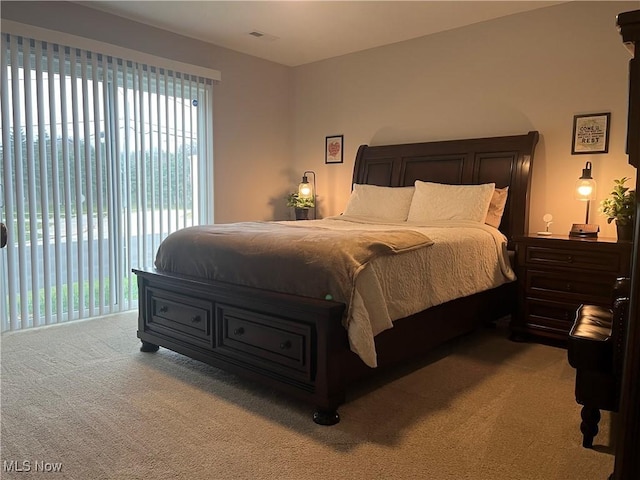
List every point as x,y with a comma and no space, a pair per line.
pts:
585,230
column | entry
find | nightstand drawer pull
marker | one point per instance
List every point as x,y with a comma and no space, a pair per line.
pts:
570,259
238,331
569,287
285,345
164,309
195,319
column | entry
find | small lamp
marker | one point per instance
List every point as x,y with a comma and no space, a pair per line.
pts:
585,191
307,190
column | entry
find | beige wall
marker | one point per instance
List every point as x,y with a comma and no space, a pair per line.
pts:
252,111
531,71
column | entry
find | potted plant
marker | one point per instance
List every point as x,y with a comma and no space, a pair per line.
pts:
620,206
301,205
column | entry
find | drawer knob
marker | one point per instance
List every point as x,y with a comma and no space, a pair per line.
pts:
570,259
569,287
285,345
238,331
164,308
195,319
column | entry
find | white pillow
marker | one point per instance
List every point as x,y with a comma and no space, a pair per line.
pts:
437,201
496,207
381,203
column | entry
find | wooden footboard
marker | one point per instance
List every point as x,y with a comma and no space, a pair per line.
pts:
296,345
293,344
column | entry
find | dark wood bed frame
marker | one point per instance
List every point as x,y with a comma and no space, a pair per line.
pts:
298,344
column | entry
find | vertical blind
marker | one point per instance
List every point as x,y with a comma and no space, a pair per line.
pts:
102,158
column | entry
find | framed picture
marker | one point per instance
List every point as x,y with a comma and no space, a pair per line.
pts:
591,133
333,149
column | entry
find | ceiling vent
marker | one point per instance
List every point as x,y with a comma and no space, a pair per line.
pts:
263,36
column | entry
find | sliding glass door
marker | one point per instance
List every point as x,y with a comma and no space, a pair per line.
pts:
101,159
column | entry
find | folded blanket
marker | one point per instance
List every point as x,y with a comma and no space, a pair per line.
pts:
309,261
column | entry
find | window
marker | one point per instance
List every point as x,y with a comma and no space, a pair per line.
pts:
102,158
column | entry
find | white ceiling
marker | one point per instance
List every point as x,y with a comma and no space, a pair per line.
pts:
299,32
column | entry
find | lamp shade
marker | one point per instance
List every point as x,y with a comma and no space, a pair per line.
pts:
305,189
586,185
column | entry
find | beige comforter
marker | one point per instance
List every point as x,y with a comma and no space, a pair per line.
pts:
313,261
465,258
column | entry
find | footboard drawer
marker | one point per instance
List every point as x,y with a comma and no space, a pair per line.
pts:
263,340
178,316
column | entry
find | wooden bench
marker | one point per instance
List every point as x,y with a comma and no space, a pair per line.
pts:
596,351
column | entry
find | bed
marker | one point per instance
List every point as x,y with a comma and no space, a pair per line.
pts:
299,344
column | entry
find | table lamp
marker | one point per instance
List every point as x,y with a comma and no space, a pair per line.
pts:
585,191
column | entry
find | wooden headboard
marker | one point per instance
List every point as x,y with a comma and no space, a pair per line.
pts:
505,161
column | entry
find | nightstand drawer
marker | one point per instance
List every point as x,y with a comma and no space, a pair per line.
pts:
257,339
562,312
594,287
584,259
548,327
182,317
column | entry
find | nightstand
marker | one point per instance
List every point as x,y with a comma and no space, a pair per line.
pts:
558,273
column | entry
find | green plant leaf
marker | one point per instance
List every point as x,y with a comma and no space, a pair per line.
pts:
621,203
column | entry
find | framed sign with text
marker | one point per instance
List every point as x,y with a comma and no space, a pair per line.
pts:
590,133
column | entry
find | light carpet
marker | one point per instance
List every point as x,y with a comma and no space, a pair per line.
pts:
82,397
